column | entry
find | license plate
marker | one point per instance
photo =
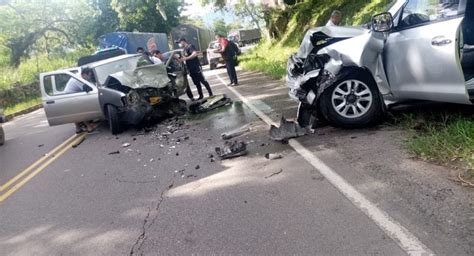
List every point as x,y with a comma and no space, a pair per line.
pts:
154,100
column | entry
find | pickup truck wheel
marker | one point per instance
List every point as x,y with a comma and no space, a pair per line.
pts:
353,102
114,121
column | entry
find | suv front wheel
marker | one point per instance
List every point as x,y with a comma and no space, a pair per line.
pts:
352,102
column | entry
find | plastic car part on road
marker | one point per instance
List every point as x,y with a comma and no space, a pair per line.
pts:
208,104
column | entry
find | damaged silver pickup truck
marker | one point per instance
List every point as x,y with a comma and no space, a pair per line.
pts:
126,89
417,50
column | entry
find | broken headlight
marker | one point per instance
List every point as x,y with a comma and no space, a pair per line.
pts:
295,66
133,97
315,61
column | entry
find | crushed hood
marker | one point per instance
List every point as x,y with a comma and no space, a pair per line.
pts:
150,76
332,32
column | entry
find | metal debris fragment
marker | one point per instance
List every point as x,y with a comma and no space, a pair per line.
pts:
210,103
273,174
79,142
271,156
236,132
287,130
232,149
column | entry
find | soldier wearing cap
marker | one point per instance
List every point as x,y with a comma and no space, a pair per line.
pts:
194,68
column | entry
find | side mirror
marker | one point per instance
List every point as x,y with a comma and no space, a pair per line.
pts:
86,88
382,22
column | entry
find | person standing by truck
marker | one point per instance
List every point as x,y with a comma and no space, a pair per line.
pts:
229,54
194,68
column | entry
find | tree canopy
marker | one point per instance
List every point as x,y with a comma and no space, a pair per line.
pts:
45,26
24,23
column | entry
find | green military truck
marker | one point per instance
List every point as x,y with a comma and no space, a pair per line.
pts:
196,36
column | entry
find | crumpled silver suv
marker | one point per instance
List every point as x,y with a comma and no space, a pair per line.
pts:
417,50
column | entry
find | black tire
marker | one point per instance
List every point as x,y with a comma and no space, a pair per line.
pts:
179,107
212,66
114,121
370,115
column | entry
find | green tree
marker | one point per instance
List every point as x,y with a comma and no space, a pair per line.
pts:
25,23
148,15
220,27
246,9
106,19
219,4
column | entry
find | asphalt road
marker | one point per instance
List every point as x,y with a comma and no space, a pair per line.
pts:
164,194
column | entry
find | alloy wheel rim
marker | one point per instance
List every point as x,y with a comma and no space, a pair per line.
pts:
352,99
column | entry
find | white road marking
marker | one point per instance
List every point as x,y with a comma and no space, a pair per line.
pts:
404,238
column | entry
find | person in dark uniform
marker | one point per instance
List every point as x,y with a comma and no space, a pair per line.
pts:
229,56
194,68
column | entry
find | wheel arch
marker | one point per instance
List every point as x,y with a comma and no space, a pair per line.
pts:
109,96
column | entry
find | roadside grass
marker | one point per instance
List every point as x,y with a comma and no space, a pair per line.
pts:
269,58
22,106
444,135
29,69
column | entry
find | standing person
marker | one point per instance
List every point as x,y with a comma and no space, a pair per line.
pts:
157,57
194,68
335,20
229,55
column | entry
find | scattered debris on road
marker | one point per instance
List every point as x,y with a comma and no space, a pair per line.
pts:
208,104
79,142
274,174
235,133
114,152
286,131
40,145
232,149
125,145
271,156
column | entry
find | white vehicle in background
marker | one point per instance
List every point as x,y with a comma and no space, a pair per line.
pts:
213,57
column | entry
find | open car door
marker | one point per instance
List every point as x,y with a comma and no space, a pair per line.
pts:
62,107
421,55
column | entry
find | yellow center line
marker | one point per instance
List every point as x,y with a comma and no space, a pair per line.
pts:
76,139
32,166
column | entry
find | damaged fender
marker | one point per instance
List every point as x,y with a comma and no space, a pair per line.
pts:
362,51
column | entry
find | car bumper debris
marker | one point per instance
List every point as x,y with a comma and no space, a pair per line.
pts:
210,103
232,149
287,130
